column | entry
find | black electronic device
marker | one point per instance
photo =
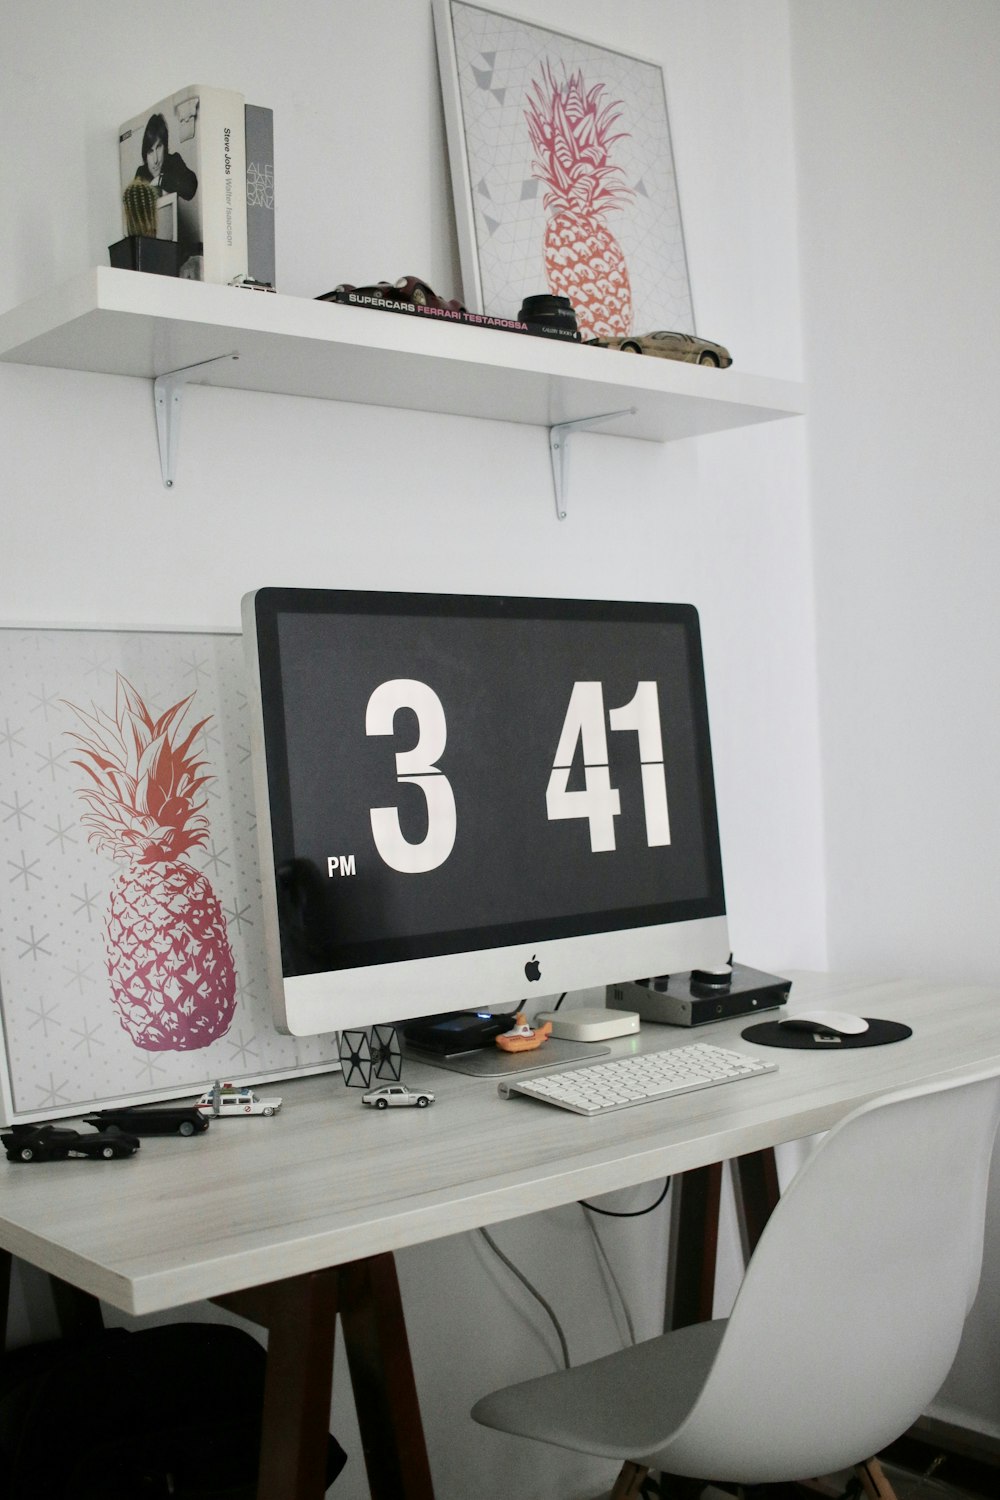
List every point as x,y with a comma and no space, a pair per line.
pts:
700,996
456,1031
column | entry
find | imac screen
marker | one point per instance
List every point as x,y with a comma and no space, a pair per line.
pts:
464,798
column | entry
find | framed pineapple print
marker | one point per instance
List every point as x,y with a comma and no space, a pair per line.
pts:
131,946
563,174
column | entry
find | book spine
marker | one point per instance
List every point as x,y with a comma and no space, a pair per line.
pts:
448,315
222,155
260,193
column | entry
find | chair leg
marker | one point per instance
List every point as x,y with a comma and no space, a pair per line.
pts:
628,1482
873,1481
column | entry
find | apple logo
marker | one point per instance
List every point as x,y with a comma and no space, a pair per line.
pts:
532,970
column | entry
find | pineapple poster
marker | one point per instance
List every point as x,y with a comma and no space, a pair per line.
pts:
564,178
131,945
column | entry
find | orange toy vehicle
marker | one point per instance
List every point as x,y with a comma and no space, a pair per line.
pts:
522,1037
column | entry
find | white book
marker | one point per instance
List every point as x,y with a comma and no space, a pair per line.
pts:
192,147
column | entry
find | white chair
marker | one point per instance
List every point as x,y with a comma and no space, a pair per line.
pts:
846,1323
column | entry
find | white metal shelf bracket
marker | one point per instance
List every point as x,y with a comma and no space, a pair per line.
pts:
167,391
559,436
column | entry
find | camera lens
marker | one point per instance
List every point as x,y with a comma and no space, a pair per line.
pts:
549,315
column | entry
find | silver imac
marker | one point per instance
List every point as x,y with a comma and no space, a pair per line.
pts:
465,801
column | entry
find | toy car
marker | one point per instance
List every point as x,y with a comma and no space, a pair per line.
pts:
227,1099
393,1095
683,346
184,1119
407,290
48,1143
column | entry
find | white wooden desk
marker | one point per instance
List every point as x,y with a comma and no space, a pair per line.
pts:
289,1212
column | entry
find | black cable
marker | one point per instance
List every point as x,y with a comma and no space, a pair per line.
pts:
633,1213
532,1290
522,1003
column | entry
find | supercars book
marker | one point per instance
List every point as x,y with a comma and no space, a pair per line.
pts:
359,298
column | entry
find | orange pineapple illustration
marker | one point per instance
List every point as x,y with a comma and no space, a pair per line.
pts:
571,130
173,982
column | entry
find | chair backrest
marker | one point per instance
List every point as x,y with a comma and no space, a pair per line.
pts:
851,1311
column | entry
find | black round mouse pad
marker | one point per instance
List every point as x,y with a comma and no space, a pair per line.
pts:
879,1034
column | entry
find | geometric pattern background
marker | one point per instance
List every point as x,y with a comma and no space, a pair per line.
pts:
498,57
64,1045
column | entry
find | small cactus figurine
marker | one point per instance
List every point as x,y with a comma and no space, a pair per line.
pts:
139,203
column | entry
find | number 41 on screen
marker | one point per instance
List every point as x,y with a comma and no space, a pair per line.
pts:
598,801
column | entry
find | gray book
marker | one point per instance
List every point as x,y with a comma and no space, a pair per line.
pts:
260,193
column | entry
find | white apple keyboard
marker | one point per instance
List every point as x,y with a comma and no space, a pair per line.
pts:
597,1088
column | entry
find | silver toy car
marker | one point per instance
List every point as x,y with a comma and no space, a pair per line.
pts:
394,1095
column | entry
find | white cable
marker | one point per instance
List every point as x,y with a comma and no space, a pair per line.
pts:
611,1273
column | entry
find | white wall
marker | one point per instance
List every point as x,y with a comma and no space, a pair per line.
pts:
897,120
273,490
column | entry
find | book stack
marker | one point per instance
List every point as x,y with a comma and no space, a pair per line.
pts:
369,297
210,159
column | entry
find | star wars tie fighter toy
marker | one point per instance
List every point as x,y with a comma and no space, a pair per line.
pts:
372,1052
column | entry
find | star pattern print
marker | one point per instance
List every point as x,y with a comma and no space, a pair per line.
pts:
65,1049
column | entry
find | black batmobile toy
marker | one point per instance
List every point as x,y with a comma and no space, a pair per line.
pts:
180,1119
50,1143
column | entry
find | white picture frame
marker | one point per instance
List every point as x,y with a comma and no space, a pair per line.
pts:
497,70
66,1045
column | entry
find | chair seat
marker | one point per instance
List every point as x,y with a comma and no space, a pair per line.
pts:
583,1408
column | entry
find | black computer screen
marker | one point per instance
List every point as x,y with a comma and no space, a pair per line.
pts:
452,773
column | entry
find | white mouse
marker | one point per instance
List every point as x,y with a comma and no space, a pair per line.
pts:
838,1021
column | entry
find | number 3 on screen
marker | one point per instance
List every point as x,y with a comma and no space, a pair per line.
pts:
418,766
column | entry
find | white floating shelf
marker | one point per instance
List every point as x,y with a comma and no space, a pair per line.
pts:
127,323
116,322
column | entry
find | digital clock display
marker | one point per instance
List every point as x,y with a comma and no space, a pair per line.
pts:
446,773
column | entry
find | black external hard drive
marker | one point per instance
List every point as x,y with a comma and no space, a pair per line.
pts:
456,1031
695,998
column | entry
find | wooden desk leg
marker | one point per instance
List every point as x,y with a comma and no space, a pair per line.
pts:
699,1192
300,1317
692,1289
385,1392
757,1194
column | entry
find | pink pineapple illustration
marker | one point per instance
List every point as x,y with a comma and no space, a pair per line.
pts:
571,128
173,980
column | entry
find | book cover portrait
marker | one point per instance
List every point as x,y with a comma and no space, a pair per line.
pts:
191,147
